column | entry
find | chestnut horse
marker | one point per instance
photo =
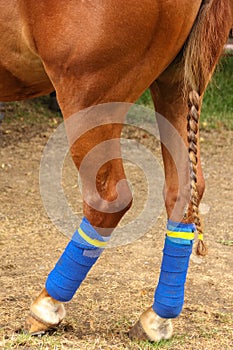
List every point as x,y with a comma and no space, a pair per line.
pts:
94,52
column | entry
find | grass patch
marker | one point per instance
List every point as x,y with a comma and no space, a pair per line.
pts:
33,111
26,341
163,344
146,100
217,109
226,242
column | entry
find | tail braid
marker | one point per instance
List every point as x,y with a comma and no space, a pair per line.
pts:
203,48
192,127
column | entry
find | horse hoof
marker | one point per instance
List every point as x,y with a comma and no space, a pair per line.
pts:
34,326
151,327
45,314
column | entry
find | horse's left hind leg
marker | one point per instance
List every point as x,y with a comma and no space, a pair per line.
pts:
155,324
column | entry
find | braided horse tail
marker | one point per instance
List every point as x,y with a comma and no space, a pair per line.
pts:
202,50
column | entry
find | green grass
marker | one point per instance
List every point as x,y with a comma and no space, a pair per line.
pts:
163,344
146,99
26,341
33,111
226,243
217,109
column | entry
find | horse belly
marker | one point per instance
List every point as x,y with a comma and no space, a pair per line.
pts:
22,74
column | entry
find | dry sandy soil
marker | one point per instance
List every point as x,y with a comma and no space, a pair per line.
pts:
121,284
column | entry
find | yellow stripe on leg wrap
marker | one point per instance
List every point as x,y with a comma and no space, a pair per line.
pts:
183,235
91,241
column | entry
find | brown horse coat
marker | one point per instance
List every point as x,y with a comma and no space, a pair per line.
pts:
89,41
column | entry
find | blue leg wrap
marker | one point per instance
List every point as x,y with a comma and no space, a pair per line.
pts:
79,256
169,295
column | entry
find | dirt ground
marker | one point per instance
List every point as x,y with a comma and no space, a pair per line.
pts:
121,284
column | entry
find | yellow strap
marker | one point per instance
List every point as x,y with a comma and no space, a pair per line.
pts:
92,241
200,237
183,235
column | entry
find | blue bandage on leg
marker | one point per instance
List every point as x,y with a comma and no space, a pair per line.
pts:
79,256
169,294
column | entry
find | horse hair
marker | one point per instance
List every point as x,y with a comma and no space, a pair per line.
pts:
201,54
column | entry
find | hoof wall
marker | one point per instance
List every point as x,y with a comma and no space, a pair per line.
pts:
151,327
138,333
45,314
35,326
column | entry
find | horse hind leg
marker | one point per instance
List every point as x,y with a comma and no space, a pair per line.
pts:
106,198
155,324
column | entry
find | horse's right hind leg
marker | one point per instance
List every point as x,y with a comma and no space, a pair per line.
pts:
106,198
